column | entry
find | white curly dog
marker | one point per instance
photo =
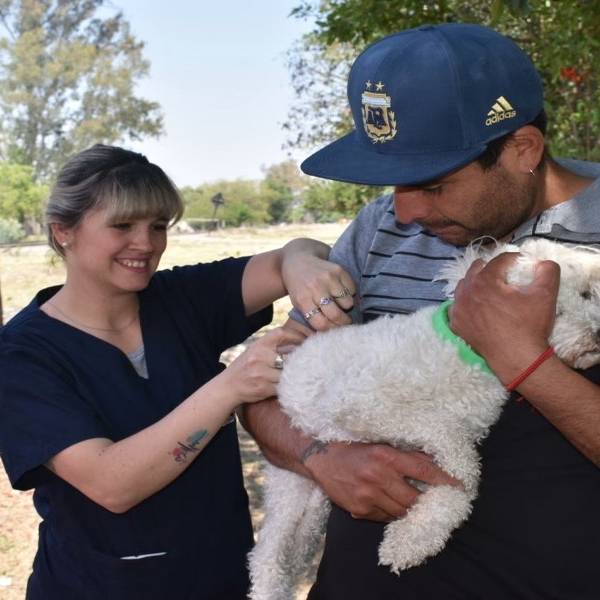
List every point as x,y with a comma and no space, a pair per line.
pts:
343,385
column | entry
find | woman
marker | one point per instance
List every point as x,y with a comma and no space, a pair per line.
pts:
113,403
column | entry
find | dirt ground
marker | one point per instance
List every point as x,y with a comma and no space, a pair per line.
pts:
23,271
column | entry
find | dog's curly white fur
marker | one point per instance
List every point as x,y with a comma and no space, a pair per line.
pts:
396,381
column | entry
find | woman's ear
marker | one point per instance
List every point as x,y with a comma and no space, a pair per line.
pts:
61,234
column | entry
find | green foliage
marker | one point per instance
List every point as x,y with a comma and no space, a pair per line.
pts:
244,205
516,7
281,187
283,195
10,231
67,78
328,201
20,197
563,39
277,198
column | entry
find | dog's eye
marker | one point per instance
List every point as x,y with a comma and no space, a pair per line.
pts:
586,295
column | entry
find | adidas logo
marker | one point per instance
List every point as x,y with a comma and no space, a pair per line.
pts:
501,110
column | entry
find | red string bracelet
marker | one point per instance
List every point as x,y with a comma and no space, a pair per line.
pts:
547,353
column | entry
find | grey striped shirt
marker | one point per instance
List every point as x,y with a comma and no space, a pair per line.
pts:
394,265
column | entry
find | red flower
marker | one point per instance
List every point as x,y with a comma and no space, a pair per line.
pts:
571,74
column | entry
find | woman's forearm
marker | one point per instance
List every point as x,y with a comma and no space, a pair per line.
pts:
264,279
119,475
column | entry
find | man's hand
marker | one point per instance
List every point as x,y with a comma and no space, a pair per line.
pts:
508,326
370,480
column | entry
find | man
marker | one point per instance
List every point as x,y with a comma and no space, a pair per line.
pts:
452,116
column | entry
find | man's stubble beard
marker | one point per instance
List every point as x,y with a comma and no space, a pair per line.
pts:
504,204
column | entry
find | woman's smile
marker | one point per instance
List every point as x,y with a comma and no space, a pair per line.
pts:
137,265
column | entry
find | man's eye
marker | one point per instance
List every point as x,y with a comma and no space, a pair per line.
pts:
160,226
433,190
122,226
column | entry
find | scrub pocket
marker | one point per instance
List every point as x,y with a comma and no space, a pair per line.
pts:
67,571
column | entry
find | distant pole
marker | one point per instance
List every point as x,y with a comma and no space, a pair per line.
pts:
217,201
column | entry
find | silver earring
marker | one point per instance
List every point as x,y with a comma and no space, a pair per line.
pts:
64,244
531,171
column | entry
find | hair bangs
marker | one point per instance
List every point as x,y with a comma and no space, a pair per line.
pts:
140,193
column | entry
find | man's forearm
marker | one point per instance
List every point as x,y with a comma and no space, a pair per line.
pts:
282,445
570,402
510,327
369,481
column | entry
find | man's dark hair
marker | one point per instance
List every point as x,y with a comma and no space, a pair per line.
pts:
494,149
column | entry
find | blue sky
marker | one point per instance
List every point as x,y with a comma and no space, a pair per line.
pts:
218,71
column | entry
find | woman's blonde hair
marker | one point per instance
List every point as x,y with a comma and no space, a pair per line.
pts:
121,181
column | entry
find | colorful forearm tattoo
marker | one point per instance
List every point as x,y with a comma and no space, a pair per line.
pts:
180,453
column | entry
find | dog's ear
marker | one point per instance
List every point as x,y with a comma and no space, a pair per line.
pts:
543,249
455,270
535,250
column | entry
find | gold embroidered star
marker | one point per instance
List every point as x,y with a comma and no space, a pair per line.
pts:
379,86
368,85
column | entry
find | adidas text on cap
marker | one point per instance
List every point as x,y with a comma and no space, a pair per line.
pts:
426,102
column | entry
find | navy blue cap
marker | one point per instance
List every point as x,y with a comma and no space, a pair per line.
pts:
426,102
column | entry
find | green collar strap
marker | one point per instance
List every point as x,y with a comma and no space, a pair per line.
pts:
465,352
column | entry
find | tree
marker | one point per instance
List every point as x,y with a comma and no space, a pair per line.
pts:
282,186
563,39
20,197
328,201
244,204
20,203
67,78
318,72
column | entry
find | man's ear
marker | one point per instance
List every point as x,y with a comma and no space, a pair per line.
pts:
525,149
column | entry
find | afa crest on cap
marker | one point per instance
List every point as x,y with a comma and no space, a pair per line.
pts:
379,120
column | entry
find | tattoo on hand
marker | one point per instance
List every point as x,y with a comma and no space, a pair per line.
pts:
191,445
316,447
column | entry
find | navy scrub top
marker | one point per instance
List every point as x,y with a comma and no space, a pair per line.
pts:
60,386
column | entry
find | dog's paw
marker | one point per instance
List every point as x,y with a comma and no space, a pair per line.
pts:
426,528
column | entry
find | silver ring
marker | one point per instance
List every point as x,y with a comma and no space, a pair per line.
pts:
311,313
344,294
279,361
325,300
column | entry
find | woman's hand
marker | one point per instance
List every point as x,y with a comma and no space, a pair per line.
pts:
254,375
321,290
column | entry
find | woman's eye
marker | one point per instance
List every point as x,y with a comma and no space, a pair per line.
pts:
160,227
122,226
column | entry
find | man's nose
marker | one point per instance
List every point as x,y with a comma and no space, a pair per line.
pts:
410,205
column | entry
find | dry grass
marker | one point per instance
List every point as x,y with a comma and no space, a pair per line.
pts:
23,271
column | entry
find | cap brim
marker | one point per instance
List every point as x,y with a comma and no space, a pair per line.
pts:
349,159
